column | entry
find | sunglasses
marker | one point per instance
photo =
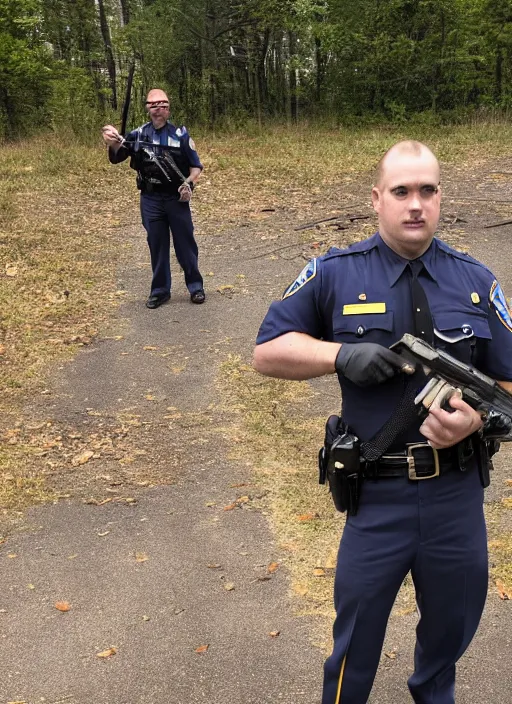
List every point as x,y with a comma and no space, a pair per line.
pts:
157,104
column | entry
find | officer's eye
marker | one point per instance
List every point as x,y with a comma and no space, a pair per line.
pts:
399,191
428,190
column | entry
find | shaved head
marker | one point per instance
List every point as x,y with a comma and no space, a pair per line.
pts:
407,147
156,95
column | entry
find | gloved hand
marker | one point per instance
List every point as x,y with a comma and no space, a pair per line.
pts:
496,425
366,363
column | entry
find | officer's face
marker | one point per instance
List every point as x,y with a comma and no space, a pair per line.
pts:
157,105
407,200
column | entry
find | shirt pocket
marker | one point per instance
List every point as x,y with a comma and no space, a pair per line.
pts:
462,335
365,328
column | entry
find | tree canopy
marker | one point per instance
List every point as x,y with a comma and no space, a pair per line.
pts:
65,62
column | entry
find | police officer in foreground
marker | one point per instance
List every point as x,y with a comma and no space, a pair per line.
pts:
168,167
341,315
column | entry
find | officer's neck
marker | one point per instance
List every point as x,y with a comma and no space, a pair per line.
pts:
409,251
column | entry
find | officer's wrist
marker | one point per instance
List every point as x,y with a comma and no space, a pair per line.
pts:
190,184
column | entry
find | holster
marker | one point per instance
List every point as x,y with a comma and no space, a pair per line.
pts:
339,463
484,451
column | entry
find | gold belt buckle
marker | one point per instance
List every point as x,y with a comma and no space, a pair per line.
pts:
411,463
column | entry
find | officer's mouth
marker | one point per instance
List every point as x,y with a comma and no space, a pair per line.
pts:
414,224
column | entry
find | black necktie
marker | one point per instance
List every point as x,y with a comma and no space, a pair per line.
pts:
423,324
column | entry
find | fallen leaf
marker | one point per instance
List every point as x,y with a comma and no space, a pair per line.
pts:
272,567
391,655
2,349
30,586
213,565
307,517
107,653
141,557
82,458
11,270
62,606
509,481
331,561
229,586
149,397
319,572
300,589
201,649
507,502
237,486
103,533
504,592
274,634
149,347
12,555
226,288
230,507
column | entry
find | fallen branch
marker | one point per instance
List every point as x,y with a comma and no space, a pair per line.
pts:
316,222
498,224
279,249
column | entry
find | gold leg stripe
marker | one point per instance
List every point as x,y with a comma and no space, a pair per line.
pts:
340,681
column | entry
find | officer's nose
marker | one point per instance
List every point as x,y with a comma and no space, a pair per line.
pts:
415,202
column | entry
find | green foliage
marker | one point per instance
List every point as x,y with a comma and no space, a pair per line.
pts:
224,62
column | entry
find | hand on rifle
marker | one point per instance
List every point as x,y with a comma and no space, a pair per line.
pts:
444,429
185,192
111,136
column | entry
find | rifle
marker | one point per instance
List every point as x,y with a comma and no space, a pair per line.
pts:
448,375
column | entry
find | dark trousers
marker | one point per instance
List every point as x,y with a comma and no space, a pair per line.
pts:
435,529
162,215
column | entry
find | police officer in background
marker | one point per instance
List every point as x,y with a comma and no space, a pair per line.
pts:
341,315
168,167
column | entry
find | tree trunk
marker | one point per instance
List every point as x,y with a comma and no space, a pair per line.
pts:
125,12
498,75
111,64
292,73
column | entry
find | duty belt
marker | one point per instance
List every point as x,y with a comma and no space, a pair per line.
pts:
418,461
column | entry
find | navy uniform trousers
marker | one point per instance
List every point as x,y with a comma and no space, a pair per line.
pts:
160,216
435,529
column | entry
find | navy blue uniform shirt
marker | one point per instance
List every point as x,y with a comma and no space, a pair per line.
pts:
362,294
177,138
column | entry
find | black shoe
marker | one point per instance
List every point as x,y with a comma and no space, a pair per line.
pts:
155,301
198,296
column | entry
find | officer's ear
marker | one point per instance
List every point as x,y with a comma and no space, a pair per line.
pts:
376,198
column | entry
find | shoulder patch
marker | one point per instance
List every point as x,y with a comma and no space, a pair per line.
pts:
192,144
308,273
501,305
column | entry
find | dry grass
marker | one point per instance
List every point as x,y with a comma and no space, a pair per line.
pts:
268,417
62,207
59,208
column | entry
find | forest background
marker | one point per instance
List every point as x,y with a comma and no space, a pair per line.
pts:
227,63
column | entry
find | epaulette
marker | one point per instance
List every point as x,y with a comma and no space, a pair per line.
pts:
356,248
181,131
460,255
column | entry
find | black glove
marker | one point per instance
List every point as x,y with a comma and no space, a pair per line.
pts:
367,363
496,425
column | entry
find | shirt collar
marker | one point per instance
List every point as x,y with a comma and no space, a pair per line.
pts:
394,265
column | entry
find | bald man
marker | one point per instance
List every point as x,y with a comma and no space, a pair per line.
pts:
340,316
168,167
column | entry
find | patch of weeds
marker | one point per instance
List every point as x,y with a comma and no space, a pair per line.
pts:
18,486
